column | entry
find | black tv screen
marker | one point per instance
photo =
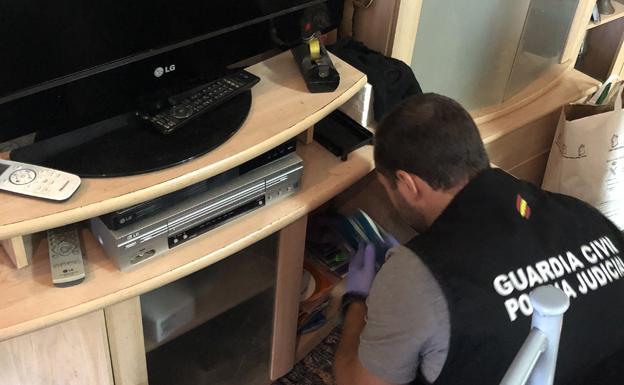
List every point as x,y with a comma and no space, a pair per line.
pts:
69,63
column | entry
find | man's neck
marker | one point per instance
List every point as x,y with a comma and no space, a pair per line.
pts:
441,200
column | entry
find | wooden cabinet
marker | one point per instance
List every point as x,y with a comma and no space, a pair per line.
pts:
74,352
602,54
92,333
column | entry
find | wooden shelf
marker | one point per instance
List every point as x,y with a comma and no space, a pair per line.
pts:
282,108
535,90
309,341
570,87
29,301
603,51
226,284
619,12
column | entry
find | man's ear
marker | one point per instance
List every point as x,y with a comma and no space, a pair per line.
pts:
411,186
405,178
407,185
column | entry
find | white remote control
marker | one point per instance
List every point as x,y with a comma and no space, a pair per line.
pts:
65,256
36,181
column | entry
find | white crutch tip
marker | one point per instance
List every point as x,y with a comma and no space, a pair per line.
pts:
549,301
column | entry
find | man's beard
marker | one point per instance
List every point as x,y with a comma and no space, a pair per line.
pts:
414,217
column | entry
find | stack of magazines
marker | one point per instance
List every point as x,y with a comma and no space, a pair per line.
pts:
332,239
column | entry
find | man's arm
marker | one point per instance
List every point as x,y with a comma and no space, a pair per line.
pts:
403,327
347,367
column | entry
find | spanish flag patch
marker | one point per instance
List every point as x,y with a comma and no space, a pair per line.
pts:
523,207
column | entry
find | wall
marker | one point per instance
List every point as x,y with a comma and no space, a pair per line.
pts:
520,137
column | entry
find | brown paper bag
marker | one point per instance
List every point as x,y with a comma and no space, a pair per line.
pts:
587,157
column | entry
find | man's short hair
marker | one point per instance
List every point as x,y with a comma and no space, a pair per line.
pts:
433,137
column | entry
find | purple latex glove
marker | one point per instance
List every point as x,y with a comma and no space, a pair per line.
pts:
361,270
390,240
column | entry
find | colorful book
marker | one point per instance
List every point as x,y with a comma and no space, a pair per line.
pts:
360,228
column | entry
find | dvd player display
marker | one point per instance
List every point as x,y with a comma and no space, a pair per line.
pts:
177,223
124,217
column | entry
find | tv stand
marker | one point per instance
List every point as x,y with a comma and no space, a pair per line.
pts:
125,145
101,318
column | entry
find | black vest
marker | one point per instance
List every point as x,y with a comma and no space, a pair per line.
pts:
498,239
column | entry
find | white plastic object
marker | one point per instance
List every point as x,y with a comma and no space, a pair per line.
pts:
536,360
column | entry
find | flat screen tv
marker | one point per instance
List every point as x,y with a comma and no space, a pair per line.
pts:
71,64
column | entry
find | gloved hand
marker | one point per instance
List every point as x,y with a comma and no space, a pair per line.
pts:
390,240
361,270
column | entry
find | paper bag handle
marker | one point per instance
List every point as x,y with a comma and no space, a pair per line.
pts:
617,106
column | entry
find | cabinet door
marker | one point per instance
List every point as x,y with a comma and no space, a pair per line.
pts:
73,352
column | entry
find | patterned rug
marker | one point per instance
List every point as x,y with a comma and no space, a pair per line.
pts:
316,367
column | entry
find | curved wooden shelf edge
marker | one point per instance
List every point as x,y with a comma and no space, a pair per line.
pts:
536,101
530,93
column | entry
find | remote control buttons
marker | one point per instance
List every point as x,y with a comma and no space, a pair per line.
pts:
22,176
182,112
190,104
40,182
63,248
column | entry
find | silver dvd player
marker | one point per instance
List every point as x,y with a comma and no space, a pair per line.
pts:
194,216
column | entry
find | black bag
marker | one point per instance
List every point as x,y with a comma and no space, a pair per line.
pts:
392,80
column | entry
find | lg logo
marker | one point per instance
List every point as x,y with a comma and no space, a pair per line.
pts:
160,71
132,236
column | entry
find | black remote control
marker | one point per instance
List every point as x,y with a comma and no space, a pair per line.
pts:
195,102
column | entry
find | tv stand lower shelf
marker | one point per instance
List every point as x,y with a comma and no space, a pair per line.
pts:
308,341
32,306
